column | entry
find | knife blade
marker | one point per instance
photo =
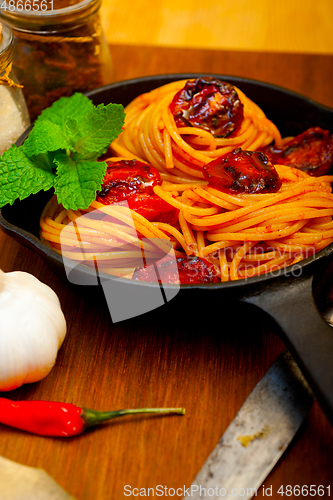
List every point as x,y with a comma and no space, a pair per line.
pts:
258,436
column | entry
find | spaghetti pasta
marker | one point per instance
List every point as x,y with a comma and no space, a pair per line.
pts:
150,133
242,235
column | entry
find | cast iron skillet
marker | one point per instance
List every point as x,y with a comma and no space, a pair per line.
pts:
287,297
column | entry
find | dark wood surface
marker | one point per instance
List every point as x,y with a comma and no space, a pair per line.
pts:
207,364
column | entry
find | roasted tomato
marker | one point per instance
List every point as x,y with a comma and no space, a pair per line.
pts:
124,178
133,181
191,270
210,104
311,151
242,172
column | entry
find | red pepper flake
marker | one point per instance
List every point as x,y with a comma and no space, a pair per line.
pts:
67,58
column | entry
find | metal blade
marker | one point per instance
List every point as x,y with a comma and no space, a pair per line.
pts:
258,436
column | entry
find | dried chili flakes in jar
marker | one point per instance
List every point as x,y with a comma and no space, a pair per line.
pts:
60,49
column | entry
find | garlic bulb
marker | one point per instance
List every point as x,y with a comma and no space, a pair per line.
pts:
32,329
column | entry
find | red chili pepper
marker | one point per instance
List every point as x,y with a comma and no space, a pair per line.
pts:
52,418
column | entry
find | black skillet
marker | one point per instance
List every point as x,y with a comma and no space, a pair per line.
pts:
287,296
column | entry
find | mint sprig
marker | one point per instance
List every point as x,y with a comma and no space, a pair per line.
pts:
20,177
61,152
77,180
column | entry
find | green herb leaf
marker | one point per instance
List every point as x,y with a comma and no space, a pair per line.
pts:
45,160
19,176
61,151
97,130
77,106
45,137
77,182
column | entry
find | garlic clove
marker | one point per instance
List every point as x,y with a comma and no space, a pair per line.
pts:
32,329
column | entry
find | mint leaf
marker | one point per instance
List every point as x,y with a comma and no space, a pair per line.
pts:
77,106
45,137
45,160
77,182
19,176
61,151
88,156
97,130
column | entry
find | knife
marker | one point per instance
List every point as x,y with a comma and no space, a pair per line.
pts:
258,436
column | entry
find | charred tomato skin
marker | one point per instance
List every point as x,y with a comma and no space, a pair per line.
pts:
311,151
210,104
242,172
191,270
123,178
133,181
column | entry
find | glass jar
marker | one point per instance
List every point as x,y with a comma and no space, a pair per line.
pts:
14,116
60,48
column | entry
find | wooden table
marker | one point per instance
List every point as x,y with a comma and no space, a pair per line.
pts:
208,369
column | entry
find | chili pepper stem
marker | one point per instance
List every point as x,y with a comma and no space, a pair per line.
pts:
93,417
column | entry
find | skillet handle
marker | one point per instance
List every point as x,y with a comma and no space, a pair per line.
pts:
304,331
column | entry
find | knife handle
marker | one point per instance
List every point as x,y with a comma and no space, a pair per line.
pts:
304,331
